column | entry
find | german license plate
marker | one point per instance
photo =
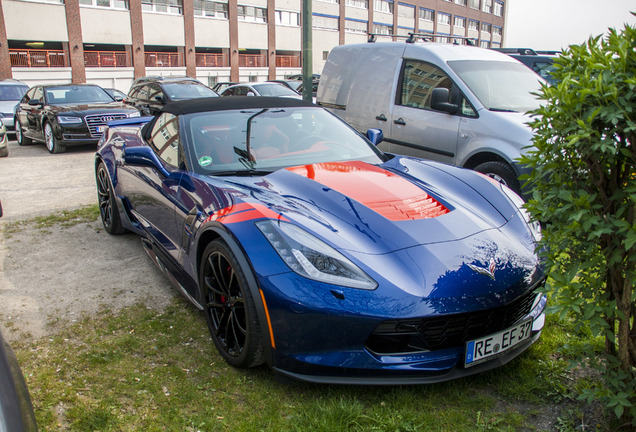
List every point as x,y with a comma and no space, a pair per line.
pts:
496,344
101,128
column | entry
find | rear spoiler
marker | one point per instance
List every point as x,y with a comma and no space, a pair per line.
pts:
130,121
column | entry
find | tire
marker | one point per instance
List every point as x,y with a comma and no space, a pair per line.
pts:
502,172
108,209
19,136
229,307
4,152
52,145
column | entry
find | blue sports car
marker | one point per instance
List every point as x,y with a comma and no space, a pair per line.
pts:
309,249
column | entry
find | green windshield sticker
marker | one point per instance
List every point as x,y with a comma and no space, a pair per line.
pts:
205,161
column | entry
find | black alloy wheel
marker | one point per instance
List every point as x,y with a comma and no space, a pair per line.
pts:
108,209
52,144
229,307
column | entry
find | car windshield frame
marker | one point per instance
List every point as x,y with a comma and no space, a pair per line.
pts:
76,95
187,90
258,141
500,86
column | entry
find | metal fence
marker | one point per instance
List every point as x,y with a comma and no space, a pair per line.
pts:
106,59
38,58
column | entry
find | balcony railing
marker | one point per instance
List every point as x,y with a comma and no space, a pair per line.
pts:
37,58
212,60
106,59
165,59
252,60
287,61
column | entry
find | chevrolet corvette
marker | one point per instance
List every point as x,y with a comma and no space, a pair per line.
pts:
310,250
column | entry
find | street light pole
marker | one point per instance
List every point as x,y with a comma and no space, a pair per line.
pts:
307,52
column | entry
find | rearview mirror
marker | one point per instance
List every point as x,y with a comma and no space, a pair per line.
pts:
375,136
440,101
35,102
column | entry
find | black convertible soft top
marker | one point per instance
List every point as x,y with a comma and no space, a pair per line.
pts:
231,103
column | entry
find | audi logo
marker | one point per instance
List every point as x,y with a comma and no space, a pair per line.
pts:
106,119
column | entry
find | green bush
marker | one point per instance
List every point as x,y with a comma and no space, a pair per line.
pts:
584,191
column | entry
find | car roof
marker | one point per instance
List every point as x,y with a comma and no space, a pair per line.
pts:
69,85
222,104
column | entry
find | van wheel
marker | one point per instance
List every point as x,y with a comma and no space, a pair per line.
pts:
502,172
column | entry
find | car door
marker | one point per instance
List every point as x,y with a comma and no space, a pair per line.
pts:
151,193
156,99
29,115
415,128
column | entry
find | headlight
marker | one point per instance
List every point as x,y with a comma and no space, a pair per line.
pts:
135,114
69,119
535,227
313,258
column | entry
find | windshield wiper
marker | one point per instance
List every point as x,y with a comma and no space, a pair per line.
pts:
242,173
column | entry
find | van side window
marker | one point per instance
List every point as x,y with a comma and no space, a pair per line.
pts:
418,81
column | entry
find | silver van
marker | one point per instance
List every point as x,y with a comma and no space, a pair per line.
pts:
458,104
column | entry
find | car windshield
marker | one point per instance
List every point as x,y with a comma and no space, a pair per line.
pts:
500,86
12,92
179,91
266,139
76,95
274,89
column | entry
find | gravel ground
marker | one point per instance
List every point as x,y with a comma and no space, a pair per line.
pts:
50,277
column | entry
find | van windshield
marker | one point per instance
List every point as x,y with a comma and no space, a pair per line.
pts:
500,86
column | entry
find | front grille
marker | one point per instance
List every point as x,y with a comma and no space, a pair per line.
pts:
435,333
94,121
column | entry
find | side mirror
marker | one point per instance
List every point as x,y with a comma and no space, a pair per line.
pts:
35,102
440,101
118,98
160,99
375,136
144,156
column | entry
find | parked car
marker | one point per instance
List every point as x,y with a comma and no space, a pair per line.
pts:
16,410
66,114
314,77
457,104
117,95
11,91
4,141
312,251
219,87
149,95
542,64
261,89
292,84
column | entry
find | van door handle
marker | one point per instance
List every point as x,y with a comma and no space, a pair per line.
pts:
400,122
381,117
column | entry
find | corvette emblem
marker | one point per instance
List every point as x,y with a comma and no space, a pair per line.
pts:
490,271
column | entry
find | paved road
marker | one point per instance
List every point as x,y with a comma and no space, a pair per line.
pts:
34,182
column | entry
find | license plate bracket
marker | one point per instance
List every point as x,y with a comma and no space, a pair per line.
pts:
496,344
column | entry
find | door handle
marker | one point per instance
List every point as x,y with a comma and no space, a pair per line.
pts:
381,117
400,122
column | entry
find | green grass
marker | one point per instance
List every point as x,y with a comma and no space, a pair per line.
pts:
144,370
65,218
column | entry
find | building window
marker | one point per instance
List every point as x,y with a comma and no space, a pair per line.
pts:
405,11
364,4
486,28
487,5
404,31
209,8
113,4
498,9
443,18
473,25
352,26
330,1
461,2
474,4
286,18
323,22
484,44
497,31
383,29
252,14
427,15
383,6
164,6
460,22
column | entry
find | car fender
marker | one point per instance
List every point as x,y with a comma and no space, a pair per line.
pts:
217,230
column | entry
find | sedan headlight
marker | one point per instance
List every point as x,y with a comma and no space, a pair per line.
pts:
313,258
535,227
134,114
69,119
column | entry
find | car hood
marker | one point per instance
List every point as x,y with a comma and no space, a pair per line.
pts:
377,209
91,108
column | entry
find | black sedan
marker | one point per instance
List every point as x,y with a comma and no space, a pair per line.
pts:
69,114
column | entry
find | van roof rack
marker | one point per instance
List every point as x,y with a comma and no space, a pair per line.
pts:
521,51
425,37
